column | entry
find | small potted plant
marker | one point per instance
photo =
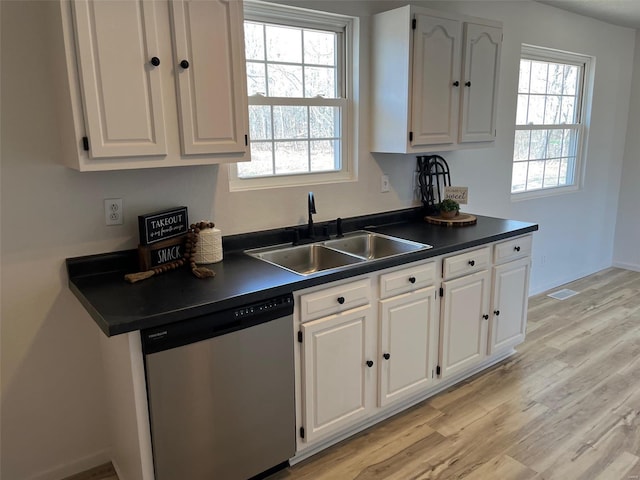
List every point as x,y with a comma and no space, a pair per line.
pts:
448,208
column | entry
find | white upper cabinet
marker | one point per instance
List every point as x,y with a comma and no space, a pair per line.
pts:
434,80
482,47
210,73
122,89
153,83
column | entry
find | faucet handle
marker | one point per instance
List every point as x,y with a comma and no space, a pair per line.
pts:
339,228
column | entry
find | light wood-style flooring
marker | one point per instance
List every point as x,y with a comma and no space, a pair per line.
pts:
566,406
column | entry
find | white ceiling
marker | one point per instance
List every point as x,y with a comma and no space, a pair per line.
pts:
619,12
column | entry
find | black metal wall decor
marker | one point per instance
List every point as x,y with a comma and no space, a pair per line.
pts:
433,176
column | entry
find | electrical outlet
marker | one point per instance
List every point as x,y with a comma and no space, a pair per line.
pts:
113,211
384,185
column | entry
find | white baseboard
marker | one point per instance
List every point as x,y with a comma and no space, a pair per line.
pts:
627,266
77,466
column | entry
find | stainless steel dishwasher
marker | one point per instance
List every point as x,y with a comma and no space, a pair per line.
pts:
221,393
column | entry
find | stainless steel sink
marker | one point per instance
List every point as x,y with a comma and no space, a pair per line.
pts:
372,246
353,248
305,259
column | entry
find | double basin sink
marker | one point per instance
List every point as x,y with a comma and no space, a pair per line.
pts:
352,248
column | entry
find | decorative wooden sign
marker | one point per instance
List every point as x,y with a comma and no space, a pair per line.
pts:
159,226
459,194
160,253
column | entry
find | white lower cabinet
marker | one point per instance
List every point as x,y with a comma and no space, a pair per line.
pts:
337,364
406,353
509,305
465,315
436,322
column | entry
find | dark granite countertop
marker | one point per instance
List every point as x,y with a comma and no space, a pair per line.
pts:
120,307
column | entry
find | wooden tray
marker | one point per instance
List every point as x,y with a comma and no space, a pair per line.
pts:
460,220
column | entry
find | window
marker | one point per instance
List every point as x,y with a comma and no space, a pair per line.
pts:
298,91
550,125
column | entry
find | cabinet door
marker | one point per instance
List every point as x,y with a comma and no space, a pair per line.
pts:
509,305
482,47
122,91
463,331
335,372
436,80
210,70
405,355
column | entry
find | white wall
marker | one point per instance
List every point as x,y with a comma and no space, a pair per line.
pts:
53,420
627,246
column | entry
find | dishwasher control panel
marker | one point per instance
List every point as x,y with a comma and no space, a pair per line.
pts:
200,328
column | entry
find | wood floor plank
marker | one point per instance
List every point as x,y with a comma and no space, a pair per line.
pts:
502,467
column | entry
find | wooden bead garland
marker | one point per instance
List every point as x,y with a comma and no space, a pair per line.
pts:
190,248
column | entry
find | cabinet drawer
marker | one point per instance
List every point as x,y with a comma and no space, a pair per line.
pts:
466,263
334,299
512,249
407,279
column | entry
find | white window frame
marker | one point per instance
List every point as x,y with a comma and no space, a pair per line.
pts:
587,63
299,17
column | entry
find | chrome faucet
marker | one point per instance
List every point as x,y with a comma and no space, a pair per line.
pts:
312,209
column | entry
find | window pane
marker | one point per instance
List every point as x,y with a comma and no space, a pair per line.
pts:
254,41
290,122
551,170
284,44
539,77
552,110
285,80
568,110
256,79
525,71
319,81
554,147
556,78
324,155
292,157
536,110
538,147
570,79
259,122
534,174
521,145
569,143
564,178
519,177
323,121
261,161
521,112
319,48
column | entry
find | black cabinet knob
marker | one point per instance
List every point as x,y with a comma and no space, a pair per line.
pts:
340,300
517,249
456,83
496,312
485,316
369,363
412,279
472,262
155,61
467,84
184,64
386,356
